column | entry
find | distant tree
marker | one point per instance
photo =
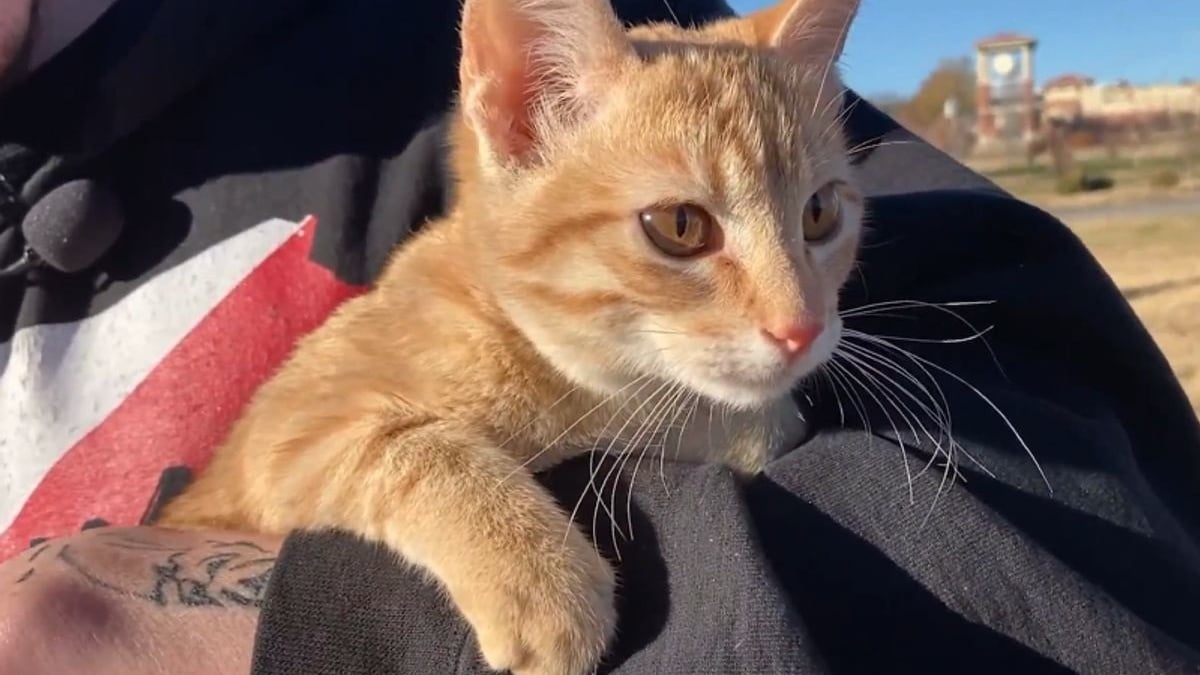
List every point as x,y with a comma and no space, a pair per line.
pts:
952,79
890,103
1062,159
1191,148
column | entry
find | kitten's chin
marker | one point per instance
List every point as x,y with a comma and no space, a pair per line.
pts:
745,394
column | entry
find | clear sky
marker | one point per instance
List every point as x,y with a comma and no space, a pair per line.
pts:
895,43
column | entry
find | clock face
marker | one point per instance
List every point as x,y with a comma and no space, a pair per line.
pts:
1003,64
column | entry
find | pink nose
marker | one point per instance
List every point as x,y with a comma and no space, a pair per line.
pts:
794,338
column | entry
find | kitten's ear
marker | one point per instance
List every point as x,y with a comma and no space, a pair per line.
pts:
532,65
809,31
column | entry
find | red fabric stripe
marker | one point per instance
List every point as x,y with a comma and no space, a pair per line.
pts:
188,402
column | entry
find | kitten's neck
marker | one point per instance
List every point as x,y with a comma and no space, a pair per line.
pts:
446,263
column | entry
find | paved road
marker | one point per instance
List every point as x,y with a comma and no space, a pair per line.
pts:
1142,209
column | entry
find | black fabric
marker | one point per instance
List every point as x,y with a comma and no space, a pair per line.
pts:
140,56
822,564
49,108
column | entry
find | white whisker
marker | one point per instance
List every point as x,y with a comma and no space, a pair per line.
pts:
691,405
539,415
936,496
908,304
654,397
875,144
623,456
837,397
975,390
671,11
592,467
929,341
943,307
568,430
941,404
711,408
895,393
896,430
674,409
830,63
936,409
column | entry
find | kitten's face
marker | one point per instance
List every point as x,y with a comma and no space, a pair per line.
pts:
696,226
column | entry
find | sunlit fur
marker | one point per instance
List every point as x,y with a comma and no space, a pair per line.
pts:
746,136
521,327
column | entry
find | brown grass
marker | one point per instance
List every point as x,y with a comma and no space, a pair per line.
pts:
1156,262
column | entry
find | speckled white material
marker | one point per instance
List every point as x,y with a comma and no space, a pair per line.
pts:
60,381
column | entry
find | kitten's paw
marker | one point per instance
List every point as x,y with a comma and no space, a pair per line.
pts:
553,614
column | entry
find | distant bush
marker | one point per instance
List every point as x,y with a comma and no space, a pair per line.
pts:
1079,140
1018,170
1079,180
1165,178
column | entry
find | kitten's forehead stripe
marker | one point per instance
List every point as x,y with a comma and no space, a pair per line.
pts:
746,115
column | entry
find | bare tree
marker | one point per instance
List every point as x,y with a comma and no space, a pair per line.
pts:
953,79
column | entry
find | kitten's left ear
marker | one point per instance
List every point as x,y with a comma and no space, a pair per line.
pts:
808,31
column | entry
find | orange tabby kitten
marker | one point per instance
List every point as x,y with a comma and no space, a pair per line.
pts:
663,210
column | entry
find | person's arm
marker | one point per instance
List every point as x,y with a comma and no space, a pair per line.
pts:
134,601
14,32
33,31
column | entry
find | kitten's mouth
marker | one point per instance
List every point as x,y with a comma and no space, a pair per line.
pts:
754,388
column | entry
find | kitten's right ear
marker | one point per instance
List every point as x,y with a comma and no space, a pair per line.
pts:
532,65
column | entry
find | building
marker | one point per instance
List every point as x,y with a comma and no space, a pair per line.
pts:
1010,112
1075,98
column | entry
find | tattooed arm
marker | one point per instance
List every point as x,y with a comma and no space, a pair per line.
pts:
134,602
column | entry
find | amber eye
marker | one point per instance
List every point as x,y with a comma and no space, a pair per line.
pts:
679,231
822,214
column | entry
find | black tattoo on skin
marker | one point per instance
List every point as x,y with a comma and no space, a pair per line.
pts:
36,551
215,574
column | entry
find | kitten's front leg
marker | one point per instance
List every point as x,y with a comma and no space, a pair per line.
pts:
536,592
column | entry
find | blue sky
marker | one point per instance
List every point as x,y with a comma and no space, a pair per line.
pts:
895,43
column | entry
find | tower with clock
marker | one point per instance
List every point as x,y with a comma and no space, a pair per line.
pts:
1005,100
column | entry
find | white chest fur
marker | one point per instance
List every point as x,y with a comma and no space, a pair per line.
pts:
744,440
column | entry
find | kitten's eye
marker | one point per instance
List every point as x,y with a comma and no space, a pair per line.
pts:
822,214
679,231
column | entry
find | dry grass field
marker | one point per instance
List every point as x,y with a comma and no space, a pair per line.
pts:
1146,236
1156,263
